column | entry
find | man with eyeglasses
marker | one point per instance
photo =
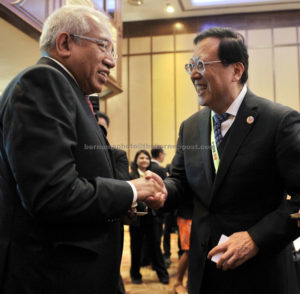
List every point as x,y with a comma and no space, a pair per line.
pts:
60,202
237,158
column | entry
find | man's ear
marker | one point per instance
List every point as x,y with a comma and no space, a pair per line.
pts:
63,45
238,71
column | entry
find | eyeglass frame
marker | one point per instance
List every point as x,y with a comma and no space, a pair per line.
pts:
101,42
197,61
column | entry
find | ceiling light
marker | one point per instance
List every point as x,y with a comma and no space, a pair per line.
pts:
170,8
136,2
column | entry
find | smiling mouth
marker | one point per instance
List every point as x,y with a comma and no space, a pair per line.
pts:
200,88
103,73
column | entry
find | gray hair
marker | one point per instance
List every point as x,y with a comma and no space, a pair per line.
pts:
72,19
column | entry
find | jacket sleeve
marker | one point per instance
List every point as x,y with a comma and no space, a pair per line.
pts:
176,184
276,229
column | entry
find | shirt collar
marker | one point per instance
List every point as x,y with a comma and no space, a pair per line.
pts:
153,160
141,173
235,105
61,65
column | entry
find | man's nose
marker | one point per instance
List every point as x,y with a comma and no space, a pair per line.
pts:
195,74
109,61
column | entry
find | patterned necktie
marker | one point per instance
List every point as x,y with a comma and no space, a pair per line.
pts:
218,119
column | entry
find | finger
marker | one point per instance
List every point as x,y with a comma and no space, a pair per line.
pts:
155,177
228,261
224,258
217,249
148,175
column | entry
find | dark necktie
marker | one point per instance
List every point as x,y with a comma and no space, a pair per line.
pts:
218,119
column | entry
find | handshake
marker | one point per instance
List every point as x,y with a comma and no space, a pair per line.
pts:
151,189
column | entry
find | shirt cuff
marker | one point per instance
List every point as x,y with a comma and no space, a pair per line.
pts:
134,203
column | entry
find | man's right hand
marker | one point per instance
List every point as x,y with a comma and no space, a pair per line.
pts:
146,188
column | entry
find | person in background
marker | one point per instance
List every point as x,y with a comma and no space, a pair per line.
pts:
158,156
60,204
148,226
237,158
184,222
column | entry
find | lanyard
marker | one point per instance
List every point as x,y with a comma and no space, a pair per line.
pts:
214,149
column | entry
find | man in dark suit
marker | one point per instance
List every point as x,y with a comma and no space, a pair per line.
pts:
60,205
158,156
238,184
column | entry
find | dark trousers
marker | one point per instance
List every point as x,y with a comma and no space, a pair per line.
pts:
150,227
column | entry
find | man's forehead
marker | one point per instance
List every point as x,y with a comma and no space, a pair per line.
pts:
99,28
207,47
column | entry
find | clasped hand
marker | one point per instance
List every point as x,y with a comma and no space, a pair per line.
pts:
151,189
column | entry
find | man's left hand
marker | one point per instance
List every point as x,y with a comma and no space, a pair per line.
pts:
236,250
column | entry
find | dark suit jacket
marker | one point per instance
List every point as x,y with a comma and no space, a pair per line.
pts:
59,203
121,164
259,163
156,168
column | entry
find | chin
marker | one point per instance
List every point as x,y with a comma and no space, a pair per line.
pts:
201,100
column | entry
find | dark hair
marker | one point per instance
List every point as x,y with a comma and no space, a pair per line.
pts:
232,47
100,114
134,165
156,150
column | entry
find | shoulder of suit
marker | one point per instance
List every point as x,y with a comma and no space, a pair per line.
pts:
118,152
40,70
266,106
194,118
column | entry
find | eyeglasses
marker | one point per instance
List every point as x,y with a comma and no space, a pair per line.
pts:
199,64
102,44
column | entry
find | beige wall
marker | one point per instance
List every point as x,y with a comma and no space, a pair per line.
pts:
158,94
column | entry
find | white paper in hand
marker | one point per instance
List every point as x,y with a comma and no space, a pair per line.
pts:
216,257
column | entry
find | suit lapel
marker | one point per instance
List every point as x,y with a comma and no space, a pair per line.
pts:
238,132
84,105
100,134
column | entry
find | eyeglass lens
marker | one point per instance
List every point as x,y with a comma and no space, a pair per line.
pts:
195,62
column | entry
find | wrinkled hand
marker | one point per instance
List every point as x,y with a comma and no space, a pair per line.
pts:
236,250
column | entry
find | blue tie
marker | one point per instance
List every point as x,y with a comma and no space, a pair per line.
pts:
218,119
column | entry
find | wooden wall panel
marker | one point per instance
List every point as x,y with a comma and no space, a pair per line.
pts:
285,36
287,76
139,45
164,103
259,38
117,110
125,46
185,42
163,43
102,105
240,21
22,50
261,72
140,122
186,96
